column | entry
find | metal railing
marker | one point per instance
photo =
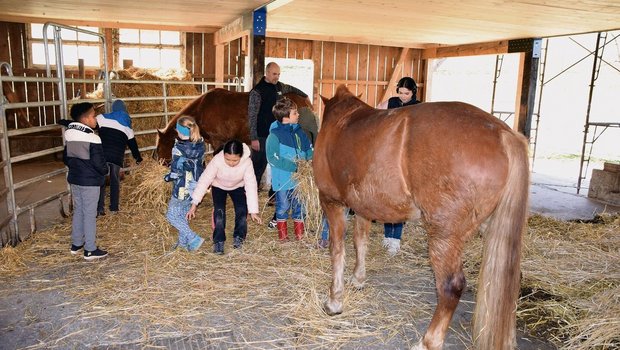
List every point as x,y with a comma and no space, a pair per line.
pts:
9,222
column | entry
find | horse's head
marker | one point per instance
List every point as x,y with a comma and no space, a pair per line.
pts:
164,144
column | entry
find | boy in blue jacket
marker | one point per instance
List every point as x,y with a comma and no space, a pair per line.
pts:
286,144
83,155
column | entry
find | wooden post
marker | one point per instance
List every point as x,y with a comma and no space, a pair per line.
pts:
526,90
219,64
82,75
396,74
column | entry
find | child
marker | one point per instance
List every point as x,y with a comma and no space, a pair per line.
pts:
116,134
229,173
83,155
286,144
186,166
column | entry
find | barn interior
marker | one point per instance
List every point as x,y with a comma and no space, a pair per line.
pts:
367,45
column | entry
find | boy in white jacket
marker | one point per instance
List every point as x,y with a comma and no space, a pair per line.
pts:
230,172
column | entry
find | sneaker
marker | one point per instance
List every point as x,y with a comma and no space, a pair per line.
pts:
238,242
218,248
272,224
385,243
95,254
195,244
76,248
394,246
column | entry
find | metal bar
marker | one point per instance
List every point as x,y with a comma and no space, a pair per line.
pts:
41,202
33,130
8,174
31,104
590,94
40,177
37,154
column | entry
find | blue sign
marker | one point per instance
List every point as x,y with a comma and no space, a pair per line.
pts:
260,21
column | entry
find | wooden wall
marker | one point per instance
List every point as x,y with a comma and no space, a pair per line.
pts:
365,69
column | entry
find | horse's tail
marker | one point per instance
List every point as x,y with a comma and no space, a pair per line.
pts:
500,273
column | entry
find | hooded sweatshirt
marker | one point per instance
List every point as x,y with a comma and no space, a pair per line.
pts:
116,134
221,175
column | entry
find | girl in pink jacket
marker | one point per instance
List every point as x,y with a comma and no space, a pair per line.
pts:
230,172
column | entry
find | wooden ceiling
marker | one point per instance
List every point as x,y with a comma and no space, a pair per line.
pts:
407,23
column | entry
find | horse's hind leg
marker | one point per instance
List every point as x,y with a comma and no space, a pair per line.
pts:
360,242
336,222
445,247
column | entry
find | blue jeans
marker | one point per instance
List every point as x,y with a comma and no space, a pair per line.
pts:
393,230
176,217
285,201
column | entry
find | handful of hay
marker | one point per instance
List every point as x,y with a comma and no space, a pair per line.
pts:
308,195
145,189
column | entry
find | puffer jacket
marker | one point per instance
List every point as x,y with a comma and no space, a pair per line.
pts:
83,155
286,144
186,167
221,175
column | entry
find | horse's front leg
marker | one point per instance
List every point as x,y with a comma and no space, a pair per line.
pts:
335,219
360,242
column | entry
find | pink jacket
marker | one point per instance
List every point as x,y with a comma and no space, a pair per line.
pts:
219,174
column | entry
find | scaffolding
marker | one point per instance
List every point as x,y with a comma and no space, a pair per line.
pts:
590,137
592,130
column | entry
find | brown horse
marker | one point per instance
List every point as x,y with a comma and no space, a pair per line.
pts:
223,115
448,163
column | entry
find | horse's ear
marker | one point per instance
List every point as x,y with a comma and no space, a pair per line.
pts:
359,96
160,132
325,99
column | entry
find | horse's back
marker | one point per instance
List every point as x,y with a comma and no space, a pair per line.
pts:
402,157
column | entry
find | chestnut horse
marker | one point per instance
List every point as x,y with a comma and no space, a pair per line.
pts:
223,115
448,163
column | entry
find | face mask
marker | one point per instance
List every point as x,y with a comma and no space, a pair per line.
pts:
183,130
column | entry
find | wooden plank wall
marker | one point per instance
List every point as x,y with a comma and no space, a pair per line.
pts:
200,57
364,69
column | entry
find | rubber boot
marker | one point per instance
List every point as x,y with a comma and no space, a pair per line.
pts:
299,229
282,230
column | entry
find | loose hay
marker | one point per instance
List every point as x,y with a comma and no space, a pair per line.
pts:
308,195
272,293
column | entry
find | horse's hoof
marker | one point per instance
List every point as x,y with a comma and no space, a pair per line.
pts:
332,309
357,284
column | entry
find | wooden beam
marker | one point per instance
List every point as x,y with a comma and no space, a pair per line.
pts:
219,64
489,48
396,74
344,40
526,92
234,30
109,24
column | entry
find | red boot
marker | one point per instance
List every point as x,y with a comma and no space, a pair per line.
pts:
282,230
299,229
